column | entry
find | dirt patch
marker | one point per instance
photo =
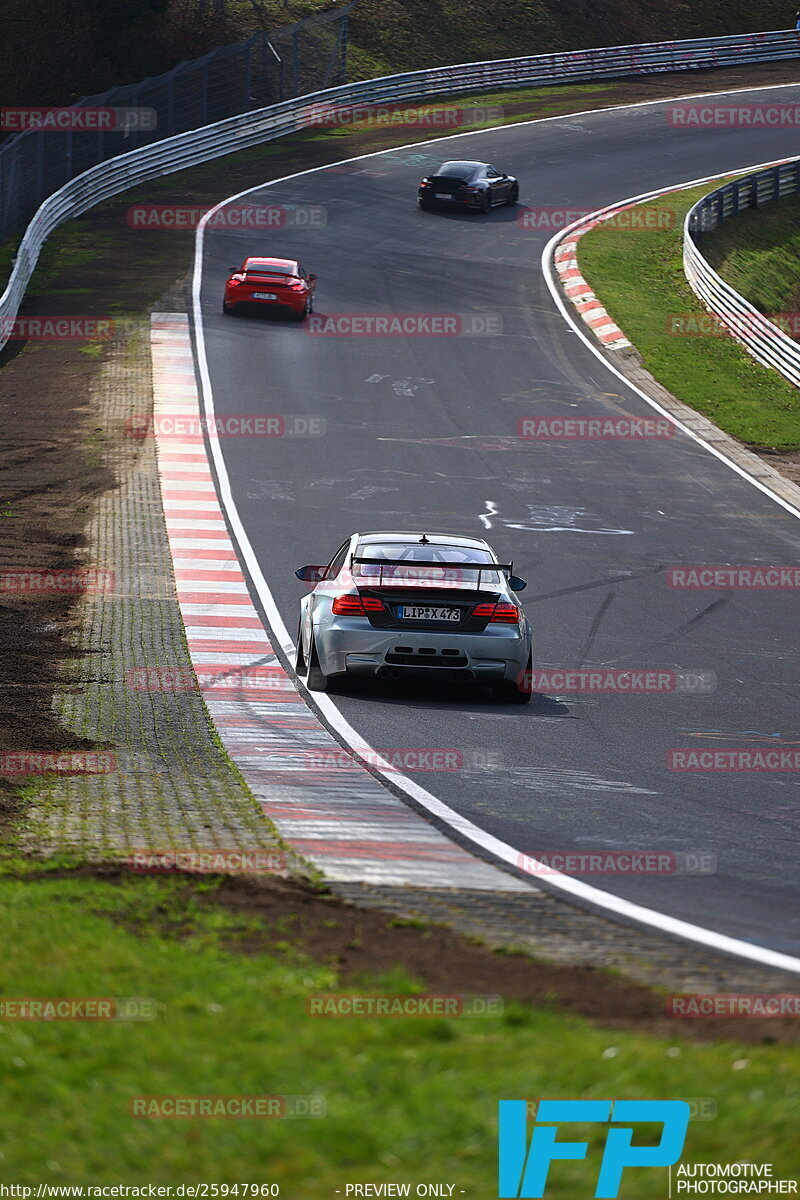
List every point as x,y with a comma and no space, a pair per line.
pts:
291,917
361,943
46,481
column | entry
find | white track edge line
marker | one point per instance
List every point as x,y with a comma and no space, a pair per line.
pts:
499,849
555,291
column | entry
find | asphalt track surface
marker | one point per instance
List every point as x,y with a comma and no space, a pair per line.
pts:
421,434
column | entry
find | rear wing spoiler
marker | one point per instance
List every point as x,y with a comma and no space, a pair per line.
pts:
494,568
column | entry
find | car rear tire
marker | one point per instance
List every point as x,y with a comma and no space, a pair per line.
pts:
485,203
509,691
425,207
317,680
228,309
513,197
299,658
301,316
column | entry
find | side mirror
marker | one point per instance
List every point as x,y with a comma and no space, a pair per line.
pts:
516,584
234,270
311,278
310,574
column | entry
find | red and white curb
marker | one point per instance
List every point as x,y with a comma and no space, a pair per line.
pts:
324,803
578,291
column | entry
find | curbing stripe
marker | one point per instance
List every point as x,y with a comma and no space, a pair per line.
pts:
335,814
576,288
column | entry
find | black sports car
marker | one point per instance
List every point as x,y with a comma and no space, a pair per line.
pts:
468,185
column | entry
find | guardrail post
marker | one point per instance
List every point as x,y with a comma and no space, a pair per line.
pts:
68,156
40,166
776,183
248,77
171,103
204,94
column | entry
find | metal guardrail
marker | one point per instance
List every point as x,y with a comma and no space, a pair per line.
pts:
761,337
266,69
200,145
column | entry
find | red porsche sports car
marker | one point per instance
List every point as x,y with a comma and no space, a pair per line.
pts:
279,283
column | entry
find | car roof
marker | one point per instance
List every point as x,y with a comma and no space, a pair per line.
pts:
259,261
446,539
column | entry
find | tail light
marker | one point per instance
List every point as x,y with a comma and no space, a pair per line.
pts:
235,280
356,606
425,183
473,190
503,613
299,286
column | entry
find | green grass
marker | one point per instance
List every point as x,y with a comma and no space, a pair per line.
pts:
406,1099
639,278
759,254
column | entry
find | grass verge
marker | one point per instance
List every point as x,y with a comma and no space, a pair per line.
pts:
405,1099
758,253
639,278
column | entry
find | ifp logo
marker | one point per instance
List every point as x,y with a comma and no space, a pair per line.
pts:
524,1169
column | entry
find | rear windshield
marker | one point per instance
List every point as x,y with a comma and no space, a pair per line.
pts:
454,570
456,170
417,552
269,270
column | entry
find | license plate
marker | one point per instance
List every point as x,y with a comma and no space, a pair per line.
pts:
264,296
417,612
442,196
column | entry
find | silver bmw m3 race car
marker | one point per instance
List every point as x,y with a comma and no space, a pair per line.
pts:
395,605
